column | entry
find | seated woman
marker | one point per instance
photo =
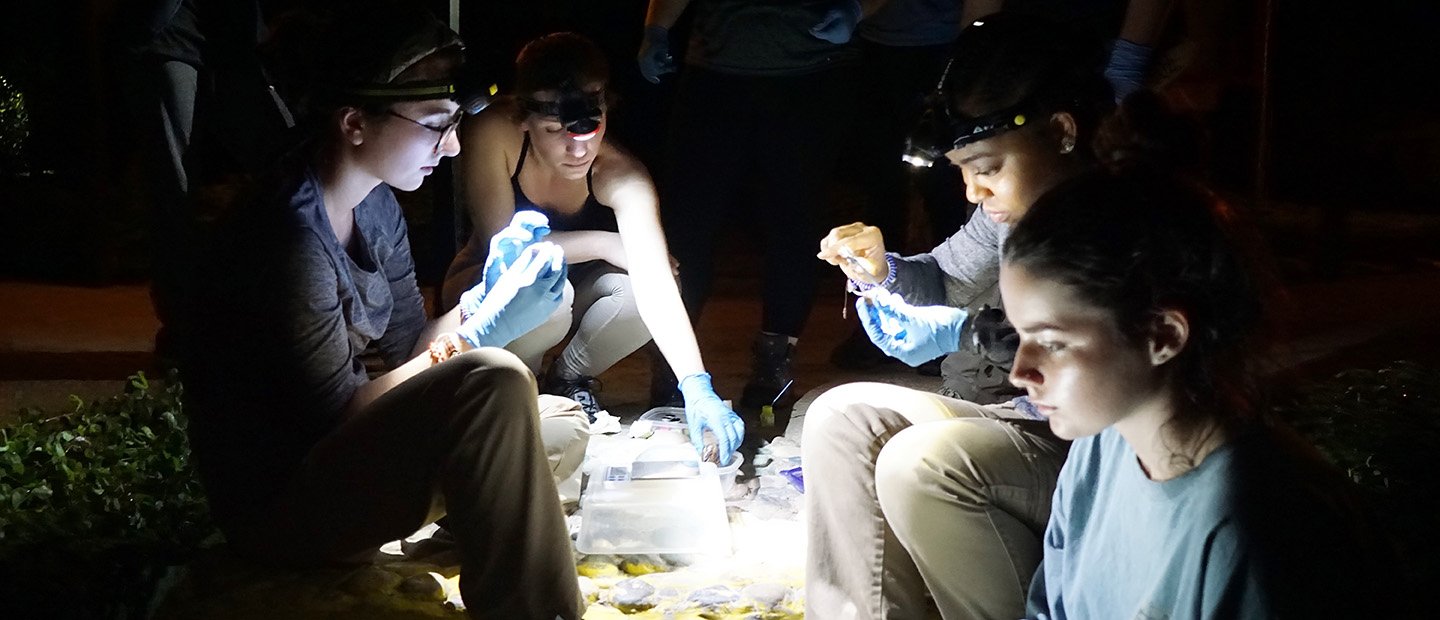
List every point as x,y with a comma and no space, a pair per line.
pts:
306,459
1019,105
544,149
1137,306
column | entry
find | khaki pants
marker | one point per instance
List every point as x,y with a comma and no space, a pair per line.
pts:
907,491
464,440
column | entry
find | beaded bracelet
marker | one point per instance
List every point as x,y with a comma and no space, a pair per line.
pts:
860,287
444,347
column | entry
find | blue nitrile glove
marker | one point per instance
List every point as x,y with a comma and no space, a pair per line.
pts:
838,23
655,59
703,409
1126,67
911,334
522,298
525,228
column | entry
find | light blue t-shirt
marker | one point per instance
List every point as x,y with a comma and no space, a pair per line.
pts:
1120,545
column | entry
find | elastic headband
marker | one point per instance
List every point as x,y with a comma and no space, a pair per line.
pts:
579,112
976,129
405,91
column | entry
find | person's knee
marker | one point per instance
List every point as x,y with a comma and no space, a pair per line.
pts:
836,416
923,462
496,368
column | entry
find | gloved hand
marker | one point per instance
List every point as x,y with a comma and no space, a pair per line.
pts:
521,299
911,334
1125,70
655,59
525,228
703,409
838,23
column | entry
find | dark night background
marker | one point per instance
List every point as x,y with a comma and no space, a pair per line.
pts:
1319,117
1351,125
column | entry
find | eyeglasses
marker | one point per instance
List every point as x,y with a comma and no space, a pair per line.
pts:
445,131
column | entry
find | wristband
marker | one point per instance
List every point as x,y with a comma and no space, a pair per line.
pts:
861,287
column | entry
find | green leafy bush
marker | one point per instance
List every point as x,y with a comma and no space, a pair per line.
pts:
95,502
14,128
1382,427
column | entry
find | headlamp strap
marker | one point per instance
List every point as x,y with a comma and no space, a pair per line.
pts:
1014,117
407,91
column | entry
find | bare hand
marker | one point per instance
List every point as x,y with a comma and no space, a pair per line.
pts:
858,250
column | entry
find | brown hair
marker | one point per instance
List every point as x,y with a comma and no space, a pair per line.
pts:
558,60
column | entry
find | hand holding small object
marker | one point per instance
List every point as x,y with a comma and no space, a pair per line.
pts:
704,410
858,250
525,228
911,334
521,299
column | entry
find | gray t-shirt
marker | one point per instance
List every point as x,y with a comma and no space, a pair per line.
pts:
284,314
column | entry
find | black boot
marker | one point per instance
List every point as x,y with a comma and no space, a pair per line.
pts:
771,358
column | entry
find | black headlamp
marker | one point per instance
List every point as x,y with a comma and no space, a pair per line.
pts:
939,132
579,112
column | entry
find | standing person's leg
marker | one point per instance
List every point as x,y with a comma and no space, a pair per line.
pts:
709,153
804,122
168,124
894,81
856,566
969,499
461,439
883,115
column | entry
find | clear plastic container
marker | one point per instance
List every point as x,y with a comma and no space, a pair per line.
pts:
727,472
673,504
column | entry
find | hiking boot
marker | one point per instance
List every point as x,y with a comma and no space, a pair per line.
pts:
581,390
771,358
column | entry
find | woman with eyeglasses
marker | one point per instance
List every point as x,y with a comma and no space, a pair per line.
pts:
309,457
911,492
544,149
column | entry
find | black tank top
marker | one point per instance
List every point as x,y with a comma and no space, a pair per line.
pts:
591,216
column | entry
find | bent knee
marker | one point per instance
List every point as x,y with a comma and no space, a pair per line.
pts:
493,365
931,459
847,414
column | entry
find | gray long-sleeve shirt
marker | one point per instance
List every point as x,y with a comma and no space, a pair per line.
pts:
959,272
283,315
963,272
